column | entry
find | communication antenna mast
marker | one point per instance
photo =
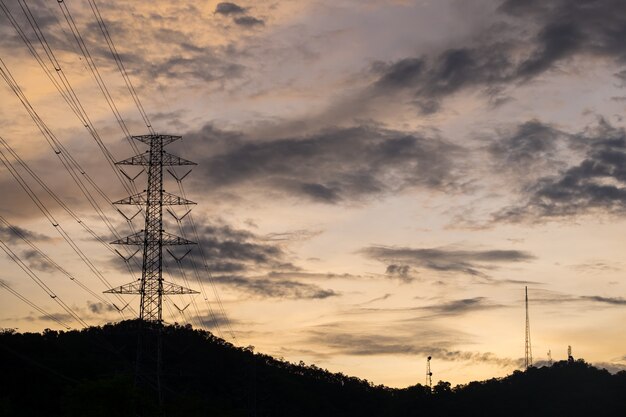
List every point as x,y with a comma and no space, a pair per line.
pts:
570,358
528,362
151,287
429,374
550,357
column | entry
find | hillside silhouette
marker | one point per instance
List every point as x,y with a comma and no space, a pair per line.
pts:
91,372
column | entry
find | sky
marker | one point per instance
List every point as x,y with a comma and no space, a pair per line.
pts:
377,181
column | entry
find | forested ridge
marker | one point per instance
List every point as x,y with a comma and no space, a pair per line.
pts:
91,372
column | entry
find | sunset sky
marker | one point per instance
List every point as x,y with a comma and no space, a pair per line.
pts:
377,181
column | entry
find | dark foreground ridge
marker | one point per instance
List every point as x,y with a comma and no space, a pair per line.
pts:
91,373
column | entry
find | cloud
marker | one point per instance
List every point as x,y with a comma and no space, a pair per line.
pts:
597,266
429,79
446,259
248,21
402,272
572,27
36,261
215,321
230,250
244,261
358,344
617,301
610,366
459,307
298,274
443,308
381,298
62,317
204,65
553,297
266,287
227,8
99,307
530,38
332,166
597,184
529,146
14,234
292,236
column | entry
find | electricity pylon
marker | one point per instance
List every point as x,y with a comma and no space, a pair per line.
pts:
151,287
529,351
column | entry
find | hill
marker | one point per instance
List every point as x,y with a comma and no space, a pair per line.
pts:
91,373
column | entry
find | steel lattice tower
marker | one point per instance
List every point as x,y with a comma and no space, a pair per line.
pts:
151,286
529,351
429,374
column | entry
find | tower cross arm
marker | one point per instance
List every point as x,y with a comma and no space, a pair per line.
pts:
169,288
169,199
173,240
130,288
144,160
140,238
173,160
141,159
150,139
134,239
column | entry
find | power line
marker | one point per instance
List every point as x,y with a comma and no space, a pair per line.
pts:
61,203
33,305
93,69
183,274
32,275
69,163
50,261
68,93
62,84
195,270
122,69
205,263
50,217
120,64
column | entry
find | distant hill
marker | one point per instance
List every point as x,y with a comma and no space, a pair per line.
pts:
91,373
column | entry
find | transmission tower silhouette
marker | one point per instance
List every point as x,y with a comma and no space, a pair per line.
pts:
528,362
151,287
429,374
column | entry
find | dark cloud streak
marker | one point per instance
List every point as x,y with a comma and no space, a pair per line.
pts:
596,184
446,259
265,287
551,31
248,21
332,166
227,8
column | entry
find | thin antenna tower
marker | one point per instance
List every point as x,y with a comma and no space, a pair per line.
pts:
528,362
570,358
550,357
151,287
429,374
